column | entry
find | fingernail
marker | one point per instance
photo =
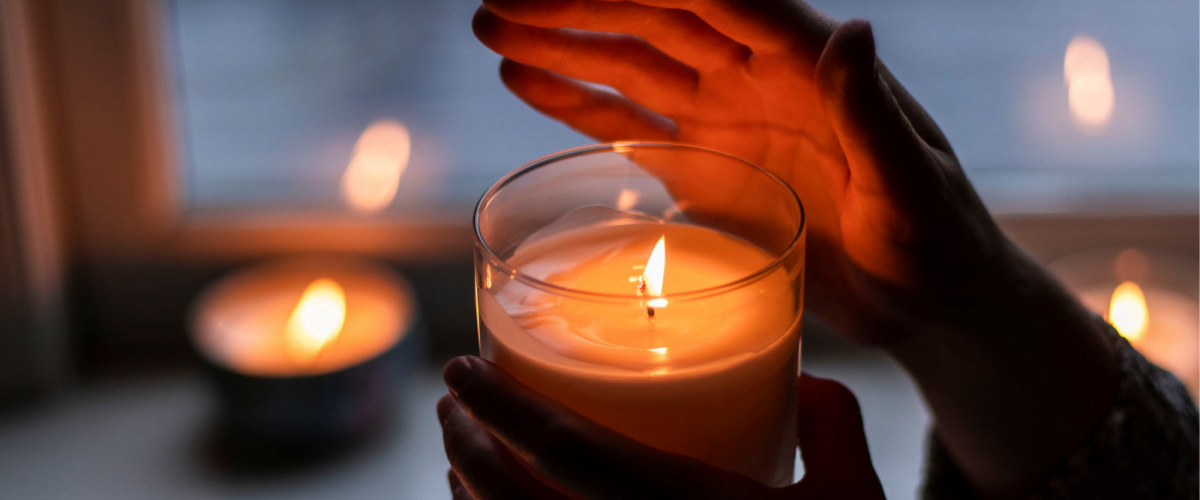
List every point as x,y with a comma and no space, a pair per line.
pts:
444,406
455,374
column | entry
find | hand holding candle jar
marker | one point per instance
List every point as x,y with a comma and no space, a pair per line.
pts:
626,282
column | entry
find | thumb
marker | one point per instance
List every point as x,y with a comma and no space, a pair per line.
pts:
885,154
837,462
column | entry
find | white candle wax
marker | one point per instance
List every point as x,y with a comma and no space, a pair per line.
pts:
710,375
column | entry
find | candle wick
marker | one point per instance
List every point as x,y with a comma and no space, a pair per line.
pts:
642,292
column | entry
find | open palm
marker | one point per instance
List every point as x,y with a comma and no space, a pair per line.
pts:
898,239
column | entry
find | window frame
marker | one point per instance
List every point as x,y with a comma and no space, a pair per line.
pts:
34,350
125,164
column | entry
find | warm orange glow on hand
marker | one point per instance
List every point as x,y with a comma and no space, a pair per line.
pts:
380,157
653,275
843,114
1127,312
316,321
1089,85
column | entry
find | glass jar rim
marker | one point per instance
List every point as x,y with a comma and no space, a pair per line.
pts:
518,275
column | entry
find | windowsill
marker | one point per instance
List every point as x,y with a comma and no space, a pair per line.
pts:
133,438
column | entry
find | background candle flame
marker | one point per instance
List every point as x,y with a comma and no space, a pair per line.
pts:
316,321
1089,84
380,157
1127,311
653,275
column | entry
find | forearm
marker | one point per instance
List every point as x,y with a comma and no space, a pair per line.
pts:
1014,391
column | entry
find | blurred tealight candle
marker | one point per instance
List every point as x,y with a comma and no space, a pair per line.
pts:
305,352
1160,321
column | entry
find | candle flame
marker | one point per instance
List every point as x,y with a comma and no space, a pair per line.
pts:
1089,84
653,275
1127,312
380,157
316,321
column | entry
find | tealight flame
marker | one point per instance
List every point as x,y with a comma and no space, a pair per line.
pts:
316,321
380,157
1089,84
1127,312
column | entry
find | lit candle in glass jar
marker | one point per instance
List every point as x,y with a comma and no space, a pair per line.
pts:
679,335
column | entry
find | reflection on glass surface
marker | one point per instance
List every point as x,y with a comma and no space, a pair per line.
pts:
273,95
376,165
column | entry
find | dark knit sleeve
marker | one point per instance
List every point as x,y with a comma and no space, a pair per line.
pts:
1145,447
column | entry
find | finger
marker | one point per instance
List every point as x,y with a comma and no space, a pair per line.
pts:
608,117
765,26
677,33
926,128
626,63
457,490
602,115
484,468
588,458
830,427
689,176
714,189
883,151
833,445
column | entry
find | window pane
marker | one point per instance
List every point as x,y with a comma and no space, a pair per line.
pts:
272,96
992,75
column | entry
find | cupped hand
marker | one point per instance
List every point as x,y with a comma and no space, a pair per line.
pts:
898,239
506,441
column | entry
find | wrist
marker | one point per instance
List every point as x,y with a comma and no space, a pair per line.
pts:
1015,380
999,291
1015,296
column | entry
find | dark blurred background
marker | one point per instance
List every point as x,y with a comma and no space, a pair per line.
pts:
152,146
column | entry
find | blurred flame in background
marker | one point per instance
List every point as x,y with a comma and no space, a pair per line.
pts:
1127,311
316,321
1089,84
380,157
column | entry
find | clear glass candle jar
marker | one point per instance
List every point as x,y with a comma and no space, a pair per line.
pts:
656,289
